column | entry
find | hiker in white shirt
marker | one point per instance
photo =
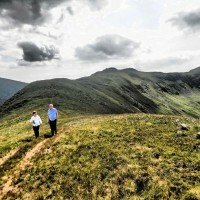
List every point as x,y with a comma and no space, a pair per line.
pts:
36,121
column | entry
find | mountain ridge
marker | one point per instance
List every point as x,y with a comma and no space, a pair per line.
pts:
114,91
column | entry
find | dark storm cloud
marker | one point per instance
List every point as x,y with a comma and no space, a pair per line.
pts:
33,53
32,12
35,12
187,20
107,47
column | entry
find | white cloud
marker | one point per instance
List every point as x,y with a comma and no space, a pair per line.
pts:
107,47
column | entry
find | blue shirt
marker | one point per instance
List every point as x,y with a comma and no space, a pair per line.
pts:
52,113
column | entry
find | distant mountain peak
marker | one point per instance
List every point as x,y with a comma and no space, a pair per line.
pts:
8,88
110,69
130,69
113,69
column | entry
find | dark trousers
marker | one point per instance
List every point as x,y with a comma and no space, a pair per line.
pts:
53,126
36,130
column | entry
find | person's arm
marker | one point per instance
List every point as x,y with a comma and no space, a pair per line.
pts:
31,120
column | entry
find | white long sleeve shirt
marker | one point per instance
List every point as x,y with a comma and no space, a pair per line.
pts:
36,120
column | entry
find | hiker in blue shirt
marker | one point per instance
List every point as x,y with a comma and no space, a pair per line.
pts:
52,119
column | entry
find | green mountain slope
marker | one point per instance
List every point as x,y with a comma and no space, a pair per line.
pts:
116,91
101,156
8,88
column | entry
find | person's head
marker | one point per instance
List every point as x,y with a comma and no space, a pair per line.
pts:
34,113
50,106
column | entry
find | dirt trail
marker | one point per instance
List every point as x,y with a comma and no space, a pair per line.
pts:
30,154
24,163
21,166
40,146
8,156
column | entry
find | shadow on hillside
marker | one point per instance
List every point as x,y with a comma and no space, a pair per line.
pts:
48,136
12,161
27,140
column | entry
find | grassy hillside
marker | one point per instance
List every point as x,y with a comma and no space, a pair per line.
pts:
97,155
8,88
131,156
116,91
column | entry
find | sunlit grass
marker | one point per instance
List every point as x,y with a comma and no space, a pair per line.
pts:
114,157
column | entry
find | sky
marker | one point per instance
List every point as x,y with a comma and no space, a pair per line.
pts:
45,39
